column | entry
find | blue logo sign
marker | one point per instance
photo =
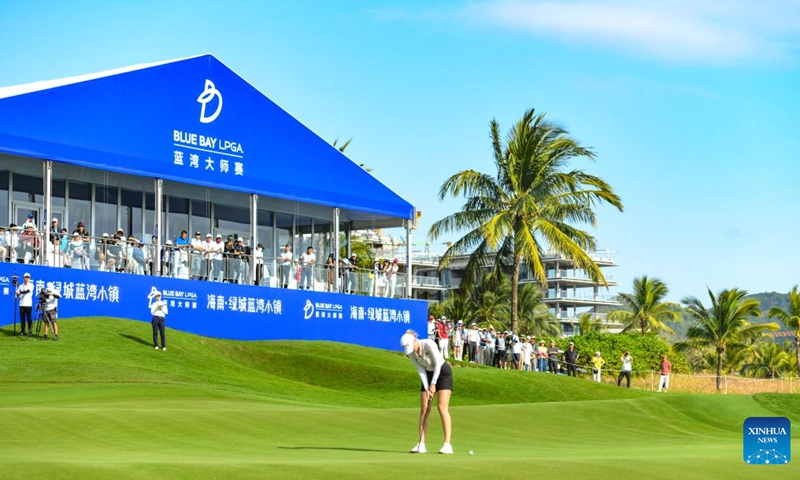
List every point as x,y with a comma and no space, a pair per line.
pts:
767,441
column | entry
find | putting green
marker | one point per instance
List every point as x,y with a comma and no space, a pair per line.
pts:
101,403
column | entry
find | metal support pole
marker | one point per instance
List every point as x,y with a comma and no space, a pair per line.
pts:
336,250
349,239
48,200
408,259
253,236
159,185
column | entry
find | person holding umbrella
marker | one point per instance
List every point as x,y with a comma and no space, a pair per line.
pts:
436,377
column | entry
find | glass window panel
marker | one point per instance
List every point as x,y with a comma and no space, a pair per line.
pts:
28,189
150,213
177,217
201,218
59,193
265,233
80,205
105,203
131,213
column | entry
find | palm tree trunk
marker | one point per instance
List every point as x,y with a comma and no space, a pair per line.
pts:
719,368
515,292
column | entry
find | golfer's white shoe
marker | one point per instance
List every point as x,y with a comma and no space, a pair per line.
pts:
420,448
446,449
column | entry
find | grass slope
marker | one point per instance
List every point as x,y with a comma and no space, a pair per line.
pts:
101,403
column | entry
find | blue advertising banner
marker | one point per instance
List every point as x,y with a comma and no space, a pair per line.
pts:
193,121
221,310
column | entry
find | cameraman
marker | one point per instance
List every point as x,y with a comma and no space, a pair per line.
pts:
25,295
51,296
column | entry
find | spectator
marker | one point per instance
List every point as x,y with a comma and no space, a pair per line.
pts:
444,337
181,260
431,328
377,279
541,357
227,253
138,257
352,275
64,248
286,259
307,261
571,359
597,366
12,240
516,351
489,339
29,244
627,367
30,222
77,252
666,369
101,252
552,357
208,257
82,232
159,310
330,273
167,258
500,350
527,352
217,259
55,244
51,294
473,338
113,249
344,267
391,278
196,251
240,263
258,255
458,341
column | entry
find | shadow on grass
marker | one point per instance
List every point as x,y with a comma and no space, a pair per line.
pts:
344,449
135,339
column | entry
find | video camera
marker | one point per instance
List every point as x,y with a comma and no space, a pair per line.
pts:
40,304
14,280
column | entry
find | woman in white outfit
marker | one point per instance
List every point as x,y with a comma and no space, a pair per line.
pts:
436,377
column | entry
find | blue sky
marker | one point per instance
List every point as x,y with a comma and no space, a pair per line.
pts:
689,106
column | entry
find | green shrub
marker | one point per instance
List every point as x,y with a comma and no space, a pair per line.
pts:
645,350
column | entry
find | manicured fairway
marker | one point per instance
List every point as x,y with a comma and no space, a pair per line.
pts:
101,403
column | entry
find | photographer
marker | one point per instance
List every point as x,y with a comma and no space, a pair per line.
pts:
158,308
25,295
50,296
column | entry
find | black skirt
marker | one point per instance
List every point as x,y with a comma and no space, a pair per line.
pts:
445,381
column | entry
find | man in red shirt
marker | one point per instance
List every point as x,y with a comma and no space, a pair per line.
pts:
665,368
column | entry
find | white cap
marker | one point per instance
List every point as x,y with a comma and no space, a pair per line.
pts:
407,342
597,353
49,285
26,275
156,293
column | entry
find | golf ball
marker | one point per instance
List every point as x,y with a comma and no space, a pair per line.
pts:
470,452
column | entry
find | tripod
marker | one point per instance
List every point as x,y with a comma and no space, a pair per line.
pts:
40,319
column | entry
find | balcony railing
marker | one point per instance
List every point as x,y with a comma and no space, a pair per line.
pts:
600,297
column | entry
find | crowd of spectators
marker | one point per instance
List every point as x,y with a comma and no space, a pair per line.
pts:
199,257
506,349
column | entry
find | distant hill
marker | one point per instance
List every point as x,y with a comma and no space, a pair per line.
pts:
771,299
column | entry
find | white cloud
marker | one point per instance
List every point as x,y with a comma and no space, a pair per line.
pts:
719,32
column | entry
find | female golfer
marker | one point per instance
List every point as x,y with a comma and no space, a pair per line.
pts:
437,378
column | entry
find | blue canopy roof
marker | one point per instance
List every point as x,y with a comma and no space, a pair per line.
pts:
194,121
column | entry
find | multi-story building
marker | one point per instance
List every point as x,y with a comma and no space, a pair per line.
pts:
570,291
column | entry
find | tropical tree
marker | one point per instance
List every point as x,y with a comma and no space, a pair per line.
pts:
343,146
588,323
645,309
527,208
791,318
769,360
458,307
723,325
534,318
489,302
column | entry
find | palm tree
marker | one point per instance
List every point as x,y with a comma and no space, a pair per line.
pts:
791,318
769,360
344,146
458,307
724,324
489,302
527,208
534,318
588,323
646,309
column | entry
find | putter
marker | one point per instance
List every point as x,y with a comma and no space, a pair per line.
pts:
424,426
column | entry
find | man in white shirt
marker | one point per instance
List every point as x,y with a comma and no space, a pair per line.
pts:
286,259
217,260
473,338
25,295
196,257
159,310
436,378
307,261
391,278
208,247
